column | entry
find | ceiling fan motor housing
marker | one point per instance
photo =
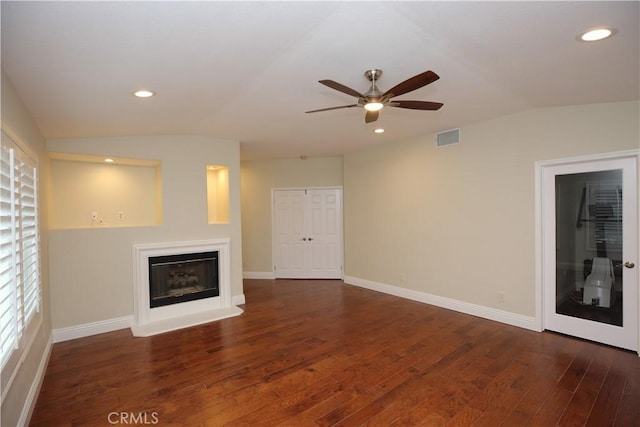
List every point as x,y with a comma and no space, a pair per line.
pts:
373,74
373,94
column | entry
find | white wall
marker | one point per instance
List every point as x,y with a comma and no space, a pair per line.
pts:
458,221
92,269
259,177
22,391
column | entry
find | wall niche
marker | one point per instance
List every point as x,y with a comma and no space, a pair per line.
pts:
217,194
102,191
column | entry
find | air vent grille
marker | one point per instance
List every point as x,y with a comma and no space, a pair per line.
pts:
449,137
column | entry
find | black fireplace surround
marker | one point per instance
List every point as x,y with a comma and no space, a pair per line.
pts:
180,278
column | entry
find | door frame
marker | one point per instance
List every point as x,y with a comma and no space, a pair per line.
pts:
540,242
273,219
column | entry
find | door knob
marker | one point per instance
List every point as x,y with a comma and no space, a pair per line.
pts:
629,264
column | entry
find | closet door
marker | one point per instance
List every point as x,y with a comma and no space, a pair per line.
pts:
307,230
324,234
289,239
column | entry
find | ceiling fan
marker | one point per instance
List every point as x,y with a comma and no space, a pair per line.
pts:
374,99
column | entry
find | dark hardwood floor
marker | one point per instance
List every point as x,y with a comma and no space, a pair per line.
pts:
325,353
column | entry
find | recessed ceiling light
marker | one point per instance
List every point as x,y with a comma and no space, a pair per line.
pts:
144,93
596,34
379,130
108,160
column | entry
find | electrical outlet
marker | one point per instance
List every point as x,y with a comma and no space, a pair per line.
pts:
501,296
120,215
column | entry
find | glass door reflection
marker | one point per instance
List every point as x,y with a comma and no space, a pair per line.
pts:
589,246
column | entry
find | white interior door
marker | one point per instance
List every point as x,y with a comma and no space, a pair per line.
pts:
308,233
590,245
289,228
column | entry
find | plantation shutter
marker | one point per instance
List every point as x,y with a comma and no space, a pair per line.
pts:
605,208
25,169
8,288
19,246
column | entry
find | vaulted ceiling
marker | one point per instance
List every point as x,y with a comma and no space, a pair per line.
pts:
248,71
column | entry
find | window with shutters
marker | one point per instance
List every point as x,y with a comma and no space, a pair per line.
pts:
20,284
604,203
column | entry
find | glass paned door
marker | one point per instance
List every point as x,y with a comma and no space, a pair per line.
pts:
590,250
589,246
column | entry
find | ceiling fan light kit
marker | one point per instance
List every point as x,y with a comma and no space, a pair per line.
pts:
375,100
373,106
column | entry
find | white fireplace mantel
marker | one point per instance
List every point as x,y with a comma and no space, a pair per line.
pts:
151,321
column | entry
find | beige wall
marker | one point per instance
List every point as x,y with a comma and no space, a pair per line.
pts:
92,269
17,122
458,221
258,178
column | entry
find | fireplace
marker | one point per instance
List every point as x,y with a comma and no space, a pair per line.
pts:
181,284
179,278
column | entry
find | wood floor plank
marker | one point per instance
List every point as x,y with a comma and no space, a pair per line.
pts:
467,416
580,405
551,410
629,408
574,374
605,407
309,353
364,399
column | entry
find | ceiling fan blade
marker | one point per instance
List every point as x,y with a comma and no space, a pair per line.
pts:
417,105
415,82
371,116
341,88
332,108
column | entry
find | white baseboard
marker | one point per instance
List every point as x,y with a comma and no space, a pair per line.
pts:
268,275
34,390
94,328
501,316
109,325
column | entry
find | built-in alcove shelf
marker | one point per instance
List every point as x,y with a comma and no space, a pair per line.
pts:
217,194
90,191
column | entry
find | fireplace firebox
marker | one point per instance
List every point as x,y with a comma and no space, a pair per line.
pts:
185,277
